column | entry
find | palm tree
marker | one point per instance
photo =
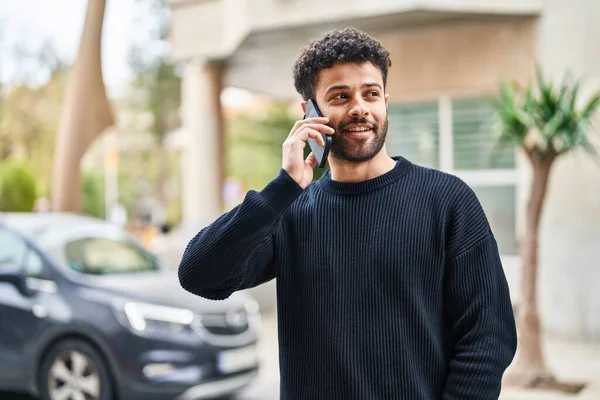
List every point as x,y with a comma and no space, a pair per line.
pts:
546,122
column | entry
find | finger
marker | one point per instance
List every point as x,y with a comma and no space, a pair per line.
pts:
318,136
321,140
311,161
298,124
306,133
316,120
326,129
291,144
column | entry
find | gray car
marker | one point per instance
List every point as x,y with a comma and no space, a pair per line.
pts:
86,313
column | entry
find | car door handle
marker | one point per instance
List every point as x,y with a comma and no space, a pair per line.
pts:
39,311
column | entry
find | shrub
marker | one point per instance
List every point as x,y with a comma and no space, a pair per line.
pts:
18,187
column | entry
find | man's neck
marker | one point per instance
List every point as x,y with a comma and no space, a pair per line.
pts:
343,171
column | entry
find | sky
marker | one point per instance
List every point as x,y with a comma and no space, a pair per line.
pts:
29,23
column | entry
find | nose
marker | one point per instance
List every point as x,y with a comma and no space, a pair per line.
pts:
358,108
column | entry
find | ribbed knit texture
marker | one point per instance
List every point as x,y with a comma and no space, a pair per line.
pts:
391,288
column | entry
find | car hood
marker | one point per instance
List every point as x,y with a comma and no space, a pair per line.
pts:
162,288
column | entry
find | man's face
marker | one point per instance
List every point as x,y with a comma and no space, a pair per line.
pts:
351,95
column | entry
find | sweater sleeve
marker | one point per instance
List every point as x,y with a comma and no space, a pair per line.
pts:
237,250
479,313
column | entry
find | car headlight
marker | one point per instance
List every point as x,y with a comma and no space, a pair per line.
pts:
153,318
252,307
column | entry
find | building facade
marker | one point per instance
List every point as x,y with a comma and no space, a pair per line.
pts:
448,58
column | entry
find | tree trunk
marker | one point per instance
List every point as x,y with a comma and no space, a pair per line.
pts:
86,112
530,368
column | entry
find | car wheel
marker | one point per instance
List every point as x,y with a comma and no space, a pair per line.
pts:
74,370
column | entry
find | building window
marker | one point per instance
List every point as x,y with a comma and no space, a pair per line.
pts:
415,133
457,136
473,138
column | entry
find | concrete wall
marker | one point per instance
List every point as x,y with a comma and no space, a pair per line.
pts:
458,57
568,40
450,56
214,28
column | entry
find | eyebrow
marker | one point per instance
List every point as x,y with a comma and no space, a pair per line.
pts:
345,87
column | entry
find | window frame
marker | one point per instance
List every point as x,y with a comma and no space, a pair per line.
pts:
43,282
45,274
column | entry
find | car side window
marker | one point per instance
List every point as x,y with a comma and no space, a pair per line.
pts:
34,266
99,256
12,249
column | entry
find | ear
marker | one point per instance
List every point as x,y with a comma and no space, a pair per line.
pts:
387,100
303,104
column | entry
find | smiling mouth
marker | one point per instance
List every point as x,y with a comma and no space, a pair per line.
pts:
358,131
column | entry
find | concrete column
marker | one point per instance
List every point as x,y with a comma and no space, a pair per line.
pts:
202,157
86,112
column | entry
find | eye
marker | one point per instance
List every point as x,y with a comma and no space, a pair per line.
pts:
339,96
373,93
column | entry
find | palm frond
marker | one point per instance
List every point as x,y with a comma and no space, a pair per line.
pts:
572,104
587,146
513,122
547,110
591,107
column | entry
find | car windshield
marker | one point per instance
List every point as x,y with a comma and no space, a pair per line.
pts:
100,256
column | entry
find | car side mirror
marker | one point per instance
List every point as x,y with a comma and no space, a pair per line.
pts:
14,275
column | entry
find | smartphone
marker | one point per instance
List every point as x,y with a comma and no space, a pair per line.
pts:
320,152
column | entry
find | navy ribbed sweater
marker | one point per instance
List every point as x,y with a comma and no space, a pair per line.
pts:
390,288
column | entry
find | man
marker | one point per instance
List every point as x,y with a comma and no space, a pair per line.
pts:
389,282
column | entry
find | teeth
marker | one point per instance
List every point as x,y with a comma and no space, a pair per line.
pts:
358,129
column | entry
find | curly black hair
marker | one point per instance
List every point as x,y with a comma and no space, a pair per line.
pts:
340,45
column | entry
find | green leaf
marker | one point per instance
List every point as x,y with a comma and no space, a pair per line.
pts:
587,146
513,121
572,105
551,127
591,107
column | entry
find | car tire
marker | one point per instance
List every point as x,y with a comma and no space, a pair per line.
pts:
74,365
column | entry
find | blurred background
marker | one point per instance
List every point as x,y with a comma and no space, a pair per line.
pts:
158,116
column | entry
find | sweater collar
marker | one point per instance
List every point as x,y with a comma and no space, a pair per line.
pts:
401,168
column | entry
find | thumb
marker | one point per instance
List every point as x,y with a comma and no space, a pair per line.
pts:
311,161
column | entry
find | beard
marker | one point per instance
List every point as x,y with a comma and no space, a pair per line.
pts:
358,150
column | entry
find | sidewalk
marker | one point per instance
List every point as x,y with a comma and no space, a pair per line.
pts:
577,362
